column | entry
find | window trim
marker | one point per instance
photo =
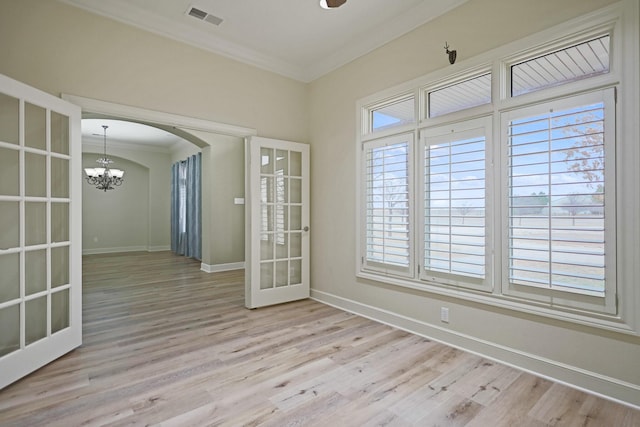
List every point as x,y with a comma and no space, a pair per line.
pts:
621,22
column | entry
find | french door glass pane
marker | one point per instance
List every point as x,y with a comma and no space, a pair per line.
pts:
282,273
59,222
266,275
35,275
282,245
59,310
59,177
282,162
295,271
35,175
267,162
296,218
295,190
9,218
282,218
59,133
35,126
35,217
295,166
9,119
10,277
9,172
35,312
59,266
282,189
10,336
295,245
266,246
266,189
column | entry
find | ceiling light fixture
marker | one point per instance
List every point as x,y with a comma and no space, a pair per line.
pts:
104,178
331,4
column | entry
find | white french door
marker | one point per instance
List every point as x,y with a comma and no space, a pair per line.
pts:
277,241
40,229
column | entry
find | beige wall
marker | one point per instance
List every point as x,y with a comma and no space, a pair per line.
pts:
158,195
533,342
182,150
116,220
222,220
62,49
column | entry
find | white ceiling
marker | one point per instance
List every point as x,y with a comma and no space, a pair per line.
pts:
295,38
123,133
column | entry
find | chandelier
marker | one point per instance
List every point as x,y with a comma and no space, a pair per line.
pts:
103,177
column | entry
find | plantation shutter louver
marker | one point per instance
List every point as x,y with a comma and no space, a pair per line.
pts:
557,197
387,221
455,205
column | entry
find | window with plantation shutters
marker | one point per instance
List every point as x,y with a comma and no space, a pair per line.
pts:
455,202
559,200
512,182
387,212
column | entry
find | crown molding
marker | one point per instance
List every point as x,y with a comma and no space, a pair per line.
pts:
129,14
124,12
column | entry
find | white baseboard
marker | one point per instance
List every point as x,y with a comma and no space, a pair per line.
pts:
591,382
215,268
97,251
159,248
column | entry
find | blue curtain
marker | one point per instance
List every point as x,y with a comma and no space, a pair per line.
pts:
186,207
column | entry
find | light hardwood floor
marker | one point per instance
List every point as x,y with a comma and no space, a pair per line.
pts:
167,344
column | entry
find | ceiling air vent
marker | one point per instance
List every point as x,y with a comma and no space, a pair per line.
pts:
204,16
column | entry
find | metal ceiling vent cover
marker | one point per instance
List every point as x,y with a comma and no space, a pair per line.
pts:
204,16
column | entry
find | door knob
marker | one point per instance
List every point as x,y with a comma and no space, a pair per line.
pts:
305,229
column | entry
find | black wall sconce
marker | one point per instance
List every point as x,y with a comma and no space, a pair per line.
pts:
452,53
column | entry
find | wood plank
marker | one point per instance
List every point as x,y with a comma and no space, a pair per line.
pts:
167,344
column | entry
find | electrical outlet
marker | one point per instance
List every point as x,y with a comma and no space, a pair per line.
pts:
444,314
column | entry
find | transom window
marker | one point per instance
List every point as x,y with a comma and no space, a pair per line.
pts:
576,62
460,96
392,114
